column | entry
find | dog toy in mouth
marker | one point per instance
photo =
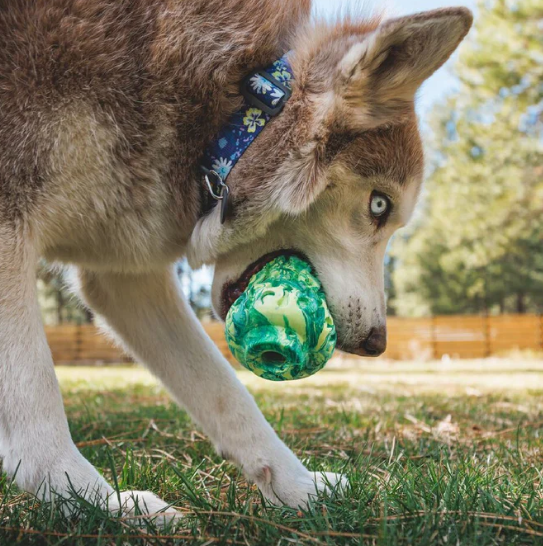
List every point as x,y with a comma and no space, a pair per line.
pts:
280,328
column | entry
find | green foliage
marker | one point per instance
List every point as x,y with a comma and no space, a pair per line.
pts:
478,244
58,305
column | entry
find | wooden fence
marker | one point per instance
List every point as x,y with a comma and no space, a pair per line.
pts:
463,336
408,338
85,343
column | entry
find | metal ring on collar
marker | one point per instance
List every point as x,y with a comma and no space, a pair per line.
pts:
220,184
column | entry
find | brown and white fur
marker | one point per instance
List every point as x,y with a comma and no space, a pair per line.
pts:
105,109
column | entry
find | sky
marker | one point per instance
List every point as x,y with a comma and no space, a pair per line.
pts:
435,88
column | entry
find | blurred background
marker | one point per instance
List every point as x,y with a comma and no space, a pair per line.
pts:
465,278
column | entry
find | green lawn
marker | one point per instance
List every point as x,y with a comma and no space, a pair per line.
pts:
437,454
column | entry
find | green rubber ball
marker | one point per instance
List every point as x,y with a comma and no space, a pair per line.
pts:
280,328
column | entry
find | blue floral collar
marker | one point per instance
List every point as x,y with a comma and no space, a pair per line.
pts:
265,93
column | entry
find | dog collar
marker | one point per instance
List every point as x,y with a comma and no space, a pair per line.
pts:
265,93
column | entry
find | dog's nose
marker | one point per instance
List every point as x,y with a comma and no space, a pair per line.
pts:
375,344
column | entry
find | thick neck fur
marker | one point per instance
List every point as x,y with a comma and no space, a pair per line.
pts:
160,76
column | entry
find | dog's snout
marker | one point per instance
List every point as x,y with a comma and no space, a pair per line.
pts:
374,344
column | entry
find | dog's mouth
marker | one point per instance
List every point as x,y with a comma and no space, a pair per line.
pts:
232,290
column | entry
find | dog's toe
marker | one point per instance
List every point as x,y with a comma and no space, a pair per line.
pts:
144,506
298,489
331,482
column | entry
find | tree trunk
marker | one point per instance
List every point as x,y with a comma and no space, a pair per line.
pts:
60,305
521,305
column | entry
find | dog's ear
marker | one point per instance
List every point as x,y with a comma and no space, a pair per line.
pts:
380,75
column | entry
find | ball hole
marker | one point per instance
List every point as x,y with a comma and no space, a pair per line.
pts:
272,357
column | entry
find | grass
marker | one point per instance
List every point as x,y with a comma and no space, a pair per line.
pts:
437,454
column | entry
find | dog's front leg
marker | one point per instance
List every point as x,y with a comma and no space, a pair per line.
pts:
150,316
35,442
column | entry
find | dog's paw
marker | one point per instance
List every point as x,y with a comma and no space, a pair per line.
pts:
330,482
299,489
143,506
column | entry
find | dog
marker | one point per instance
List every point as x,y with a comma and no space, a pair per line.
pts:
105,111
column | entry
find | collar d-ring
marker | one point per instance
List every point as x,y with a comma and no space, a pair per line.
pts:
219,190
217,183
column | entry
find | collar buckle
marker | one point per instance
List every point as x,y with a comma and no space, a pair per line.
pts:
252,97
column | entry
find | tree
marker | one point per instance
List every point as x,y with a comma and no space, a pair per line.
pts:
478,244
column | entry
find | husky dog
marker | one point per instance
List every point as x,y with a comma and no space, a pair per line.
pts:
105,110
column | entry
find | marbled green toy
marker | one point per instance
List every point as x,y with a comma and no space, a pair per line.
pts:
280,328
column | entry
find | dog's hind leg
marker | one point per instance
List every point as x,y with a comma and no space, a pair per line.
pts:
155,323
35,441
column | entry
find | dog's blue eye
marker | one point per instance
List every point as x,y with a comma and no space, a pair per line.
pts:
379,205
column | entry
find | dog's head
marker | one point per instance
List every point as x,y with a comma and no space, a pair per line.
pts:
338,171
